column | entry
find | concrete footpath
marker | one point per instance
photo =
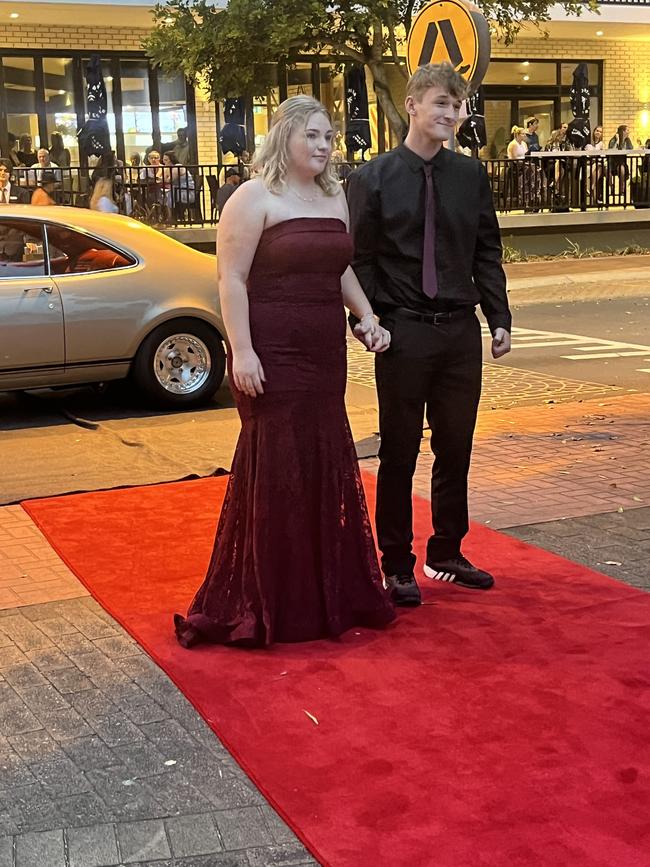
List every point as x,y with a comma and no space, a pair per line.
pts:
561,280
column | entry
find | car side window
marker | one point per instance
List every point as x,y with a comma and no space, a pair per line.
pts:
21,248
73,252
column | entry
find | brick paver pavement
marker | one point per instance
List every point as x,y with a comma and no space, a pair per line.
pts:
552,461
617,543
103,761
30,571
503,386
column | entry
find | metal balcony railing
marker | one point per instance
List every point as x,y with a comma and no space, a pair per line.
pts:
571,180
546,181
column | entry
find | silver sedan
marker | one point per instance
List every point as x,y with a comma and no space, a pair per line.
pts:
88,297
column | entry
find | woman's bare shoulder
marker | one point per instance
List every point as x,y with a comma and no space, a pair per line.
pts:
245,212
252,189
250,199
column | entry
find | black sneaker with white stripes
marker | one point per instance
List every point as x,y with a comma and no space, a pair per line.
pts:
404,590
459,571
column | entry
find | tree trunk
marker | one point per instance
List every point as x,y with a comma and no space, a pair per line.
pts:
385,98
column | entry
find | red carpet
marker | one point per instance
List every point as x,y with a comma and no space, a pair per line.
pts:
482,730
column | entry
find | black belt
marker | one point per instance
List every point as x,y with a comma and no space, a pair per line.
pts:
432,318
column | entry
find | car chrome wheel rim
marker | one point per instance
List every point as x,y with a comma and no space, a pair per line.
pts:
182,364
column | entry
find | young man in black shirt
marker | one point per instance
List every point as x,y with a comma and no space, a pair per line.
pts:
427,250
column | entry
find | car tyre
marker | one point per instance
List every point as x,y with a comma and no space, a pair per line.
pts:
181,364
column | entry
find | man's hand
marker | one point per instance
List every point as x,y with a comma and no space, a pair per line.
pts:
380,339
500,343
371,334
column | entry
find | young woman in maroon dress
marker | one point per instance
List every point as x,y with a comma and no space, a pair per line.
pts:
294,557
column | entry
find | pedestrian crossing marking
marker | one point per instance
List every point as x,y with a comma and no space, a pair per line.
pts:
634,352
586,347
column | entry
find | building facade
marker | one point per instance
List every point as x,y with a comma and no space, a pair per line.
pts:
44,47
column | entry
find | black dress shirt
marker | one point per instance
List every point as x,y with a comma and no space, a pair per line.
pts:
386,198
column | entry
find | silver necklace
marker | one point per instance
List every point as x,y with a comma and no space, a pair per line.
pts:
303,198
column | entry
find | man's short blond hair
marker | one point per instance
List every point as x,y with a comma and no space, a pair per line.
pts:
436,75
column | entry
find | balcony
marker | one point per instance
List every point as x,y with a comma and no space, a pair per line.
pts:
549,182
616,19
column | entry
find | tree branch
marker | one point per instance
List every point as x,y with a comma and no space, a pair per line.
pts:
408,15
392,42
347,51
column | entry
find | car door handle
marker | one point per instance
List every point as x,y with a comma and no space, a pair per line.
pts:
47,289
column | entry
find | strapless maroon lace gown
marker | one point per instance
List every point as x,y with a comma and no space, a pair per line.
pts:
294,557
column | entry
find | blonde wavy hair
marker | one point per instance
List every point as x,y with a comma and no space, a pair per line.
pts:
272,161
103,187
516,130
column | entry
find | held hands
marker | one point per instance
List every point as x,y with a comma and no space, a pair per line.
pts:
247,373
371,334
500,343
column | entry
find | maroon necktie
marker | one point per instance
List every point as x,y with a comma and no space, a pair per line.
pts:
429,276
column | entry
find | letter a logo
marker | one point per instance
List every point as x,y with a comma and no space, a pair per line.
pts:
446,31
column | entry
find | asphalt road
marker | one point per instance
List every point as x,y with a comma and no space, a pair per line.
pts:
52,442
606,342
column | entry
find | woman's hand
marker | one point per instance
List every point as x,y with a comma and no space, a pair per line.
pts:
371,334
247,373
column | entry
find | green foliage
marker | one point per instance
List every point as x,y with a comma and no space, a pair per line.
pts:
232,51
574,251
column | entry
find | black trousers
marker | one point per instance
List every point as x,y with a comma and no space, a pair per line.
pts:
433,368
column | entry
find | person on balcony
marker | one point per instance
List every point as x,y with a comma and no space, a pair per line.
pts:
102,198
59,154
12,156
596,167
618,165
180,148
342,169
44,192
10,192
26,153
179,183
225,191
519,180
153,178
32,178
532,125
621,141
518,147
557,176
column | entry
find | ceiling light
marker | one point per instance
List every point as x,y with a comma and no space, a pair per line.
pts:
600,33
13,15
526,63
526,77
109,78
62,93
